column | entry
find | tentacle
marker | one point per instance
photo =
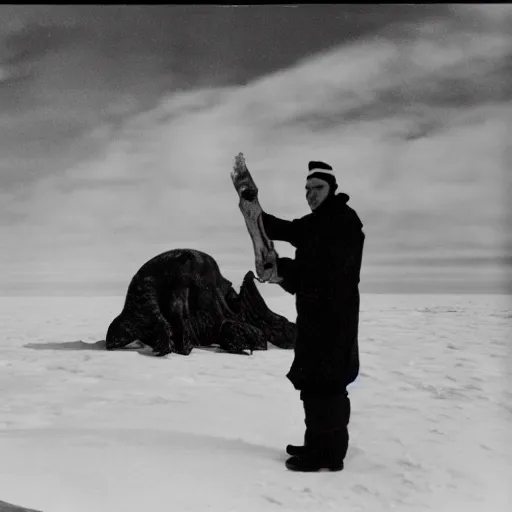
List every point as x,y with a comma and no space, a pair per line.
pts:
162,338
278,330
180,319
158,332
237,337
206,315
118,334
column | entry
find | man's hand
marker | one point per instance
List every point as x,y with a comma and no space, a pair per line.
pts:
271,263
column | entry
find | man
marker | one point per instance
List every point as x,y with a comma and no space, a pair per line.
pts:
324,277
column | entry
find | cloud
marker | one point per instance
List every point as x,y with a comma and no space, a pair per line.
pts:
75,70
406,122
4,74
101,51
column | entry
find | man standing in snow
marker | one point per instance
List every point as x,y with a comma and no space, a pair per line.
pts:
324,277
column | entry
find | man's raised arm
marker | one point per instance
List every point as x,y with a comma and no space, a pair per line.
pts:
338,270
279,229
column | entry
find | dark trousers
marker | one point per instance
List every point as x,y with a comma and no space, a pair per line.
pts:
326,419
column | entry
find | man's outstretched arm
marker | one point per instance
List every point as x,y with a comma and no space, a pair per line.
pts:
336,271
279,229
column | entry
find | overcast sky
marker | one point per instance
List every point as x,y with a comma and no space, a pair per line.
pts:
119,127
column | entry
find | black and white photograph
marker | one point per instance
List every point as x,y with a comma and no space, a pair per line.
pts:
256,258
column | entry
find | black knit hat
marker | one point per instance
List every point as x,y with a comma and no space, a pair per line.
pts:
324,172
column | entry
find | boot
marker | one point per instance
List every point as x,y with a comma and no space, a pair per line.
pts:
310,463
325,451
326,440
296,450
299,450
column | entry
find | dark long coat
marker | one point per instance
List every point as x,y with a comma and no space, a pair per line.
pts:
324,277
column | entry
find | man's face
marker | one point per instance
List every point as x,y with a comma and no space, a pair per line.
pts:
316,192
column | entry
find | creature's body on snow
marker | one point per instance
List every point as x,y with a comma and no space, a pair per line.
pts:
179,300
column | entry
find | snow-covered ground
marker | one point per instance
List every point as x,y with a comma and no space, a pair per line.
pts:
85,430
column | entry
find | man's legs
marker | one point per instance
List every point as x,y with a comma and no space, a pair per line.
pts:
326,438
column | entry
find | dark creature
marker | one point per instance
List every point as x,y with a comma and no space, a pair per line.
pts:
179,300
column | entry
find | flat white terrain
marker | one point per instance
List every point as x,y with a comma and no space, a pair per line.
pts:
85,430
